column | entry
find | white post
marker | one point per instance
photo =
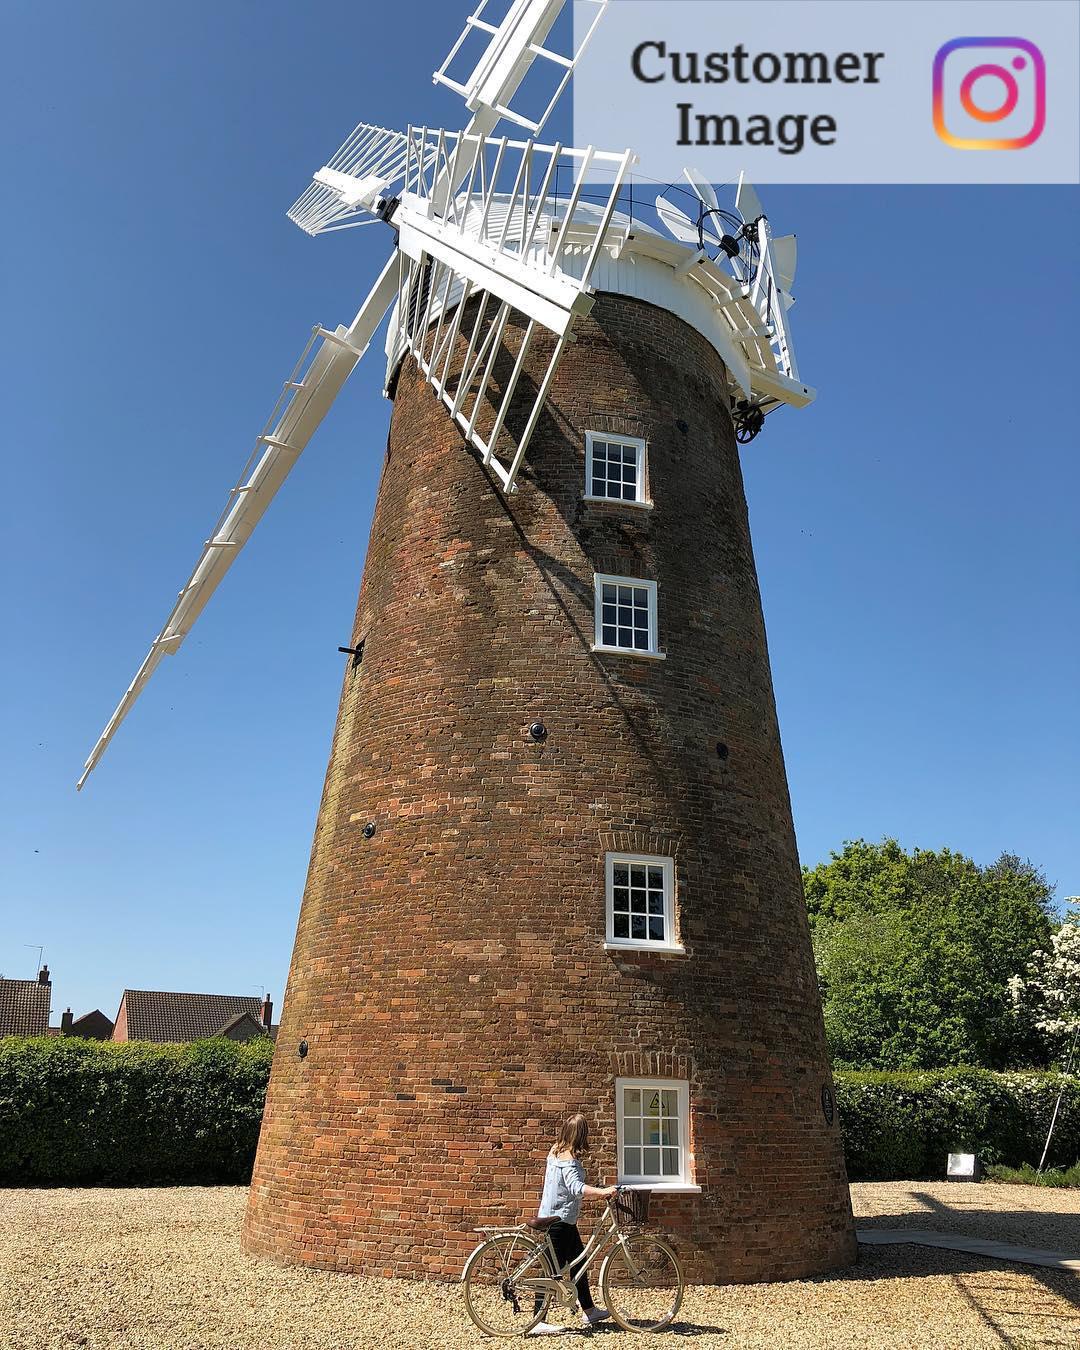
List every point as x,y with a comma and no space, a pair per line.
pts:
1057,1104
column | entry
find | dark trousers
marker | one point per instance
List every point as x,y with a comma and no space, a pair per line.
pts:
566,1240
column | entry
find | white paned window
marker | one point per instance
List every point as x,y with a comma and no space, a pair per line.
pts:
652,1119
640,901
614,468
626,615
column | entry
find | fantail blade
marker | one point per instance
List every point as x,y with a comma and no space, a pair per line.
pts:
676,221
747,202
785,256
703,188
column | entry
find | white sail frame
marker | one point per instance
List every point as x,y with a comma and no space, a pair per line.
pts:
325,364
367,167
514,45
502,247
494,263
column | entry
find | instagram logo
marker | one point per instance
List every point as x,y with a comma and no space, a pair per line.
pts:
990,104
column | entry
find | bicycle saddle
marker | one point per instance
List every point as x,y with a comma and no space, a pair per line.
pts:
542,1225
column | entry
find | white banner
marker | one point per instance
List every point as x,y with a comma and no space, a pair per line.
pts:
837,91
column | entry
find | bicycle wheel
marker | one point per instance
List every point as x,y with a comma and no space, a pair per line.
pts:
491,1297
642,1283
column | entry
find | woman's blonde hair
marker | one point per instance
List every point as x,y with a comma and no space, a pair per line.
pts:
573,1136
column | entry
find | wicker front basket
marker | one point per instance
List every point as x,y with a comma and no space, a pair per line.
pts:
631,1208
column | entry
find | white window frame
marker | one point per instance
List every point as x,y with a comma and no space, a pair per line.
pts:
652,653
685,1180
627,442
669,942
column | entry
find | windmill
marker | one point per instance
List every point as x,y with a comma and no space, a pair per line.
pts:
556,781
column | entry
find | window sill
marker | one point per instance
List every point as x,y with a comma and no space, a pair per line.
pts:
617,501
646,948
665,1187
629,651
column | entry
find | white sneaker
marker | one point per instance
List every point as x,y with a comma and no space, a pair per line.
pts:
546,1329
591,1318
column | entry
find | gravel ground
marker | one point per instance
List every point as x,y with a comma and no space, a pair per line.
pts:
1032,1216
162,1270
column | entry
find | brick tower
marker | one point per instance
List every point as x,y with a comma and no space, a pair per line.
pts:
547,877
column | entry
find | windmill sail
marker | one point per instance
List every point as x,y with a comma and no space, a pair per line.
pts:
305,398
369,164
510,48
324,365
491,262
498,244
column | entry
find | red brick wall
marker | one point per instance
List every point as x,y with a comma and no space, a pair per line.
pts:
120,1027
449,972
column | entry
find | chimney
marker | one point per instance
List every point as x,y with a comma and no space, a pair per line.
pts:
267,1011
43,976
65,1023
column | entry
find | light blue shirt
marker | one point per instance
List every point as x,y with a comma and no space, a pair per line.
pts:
564,1189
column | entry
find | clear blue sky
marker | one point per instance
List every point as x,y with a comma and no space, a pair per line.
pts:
916,529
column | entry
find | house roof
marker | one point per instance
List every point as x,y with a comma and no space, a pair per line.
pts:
154,1015
24,1008
241,1020
95,1018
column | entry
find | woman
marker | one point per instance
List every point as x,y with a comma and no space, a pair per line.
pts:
564,1190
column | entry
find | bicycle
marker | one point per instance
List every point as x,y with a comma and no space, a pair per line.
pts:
512,1276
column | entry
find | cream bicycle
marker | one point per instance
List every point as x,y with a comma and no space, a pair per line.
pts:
512,1277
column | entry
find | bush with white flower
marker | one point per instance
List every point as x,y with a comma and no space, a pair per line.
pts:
1050,989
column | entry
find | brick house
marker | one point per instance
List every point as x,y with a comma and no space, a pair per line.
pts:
155,1015
24,1005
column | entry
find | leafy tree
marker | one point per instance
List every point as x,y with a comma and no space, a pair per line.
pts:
915,953
1049,989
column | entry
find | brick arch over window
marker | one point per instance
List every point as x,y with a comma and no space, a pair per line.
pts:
637,839
616,426
653,1063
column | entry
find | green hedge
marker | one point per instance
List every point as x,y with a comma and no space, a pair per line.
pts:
899,1126
75,1112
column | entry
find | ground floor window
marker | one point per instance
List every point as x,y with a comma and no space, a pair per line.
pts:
652,1120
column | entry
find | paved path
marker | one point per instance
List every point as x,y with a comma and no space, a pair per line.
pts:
955,1242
